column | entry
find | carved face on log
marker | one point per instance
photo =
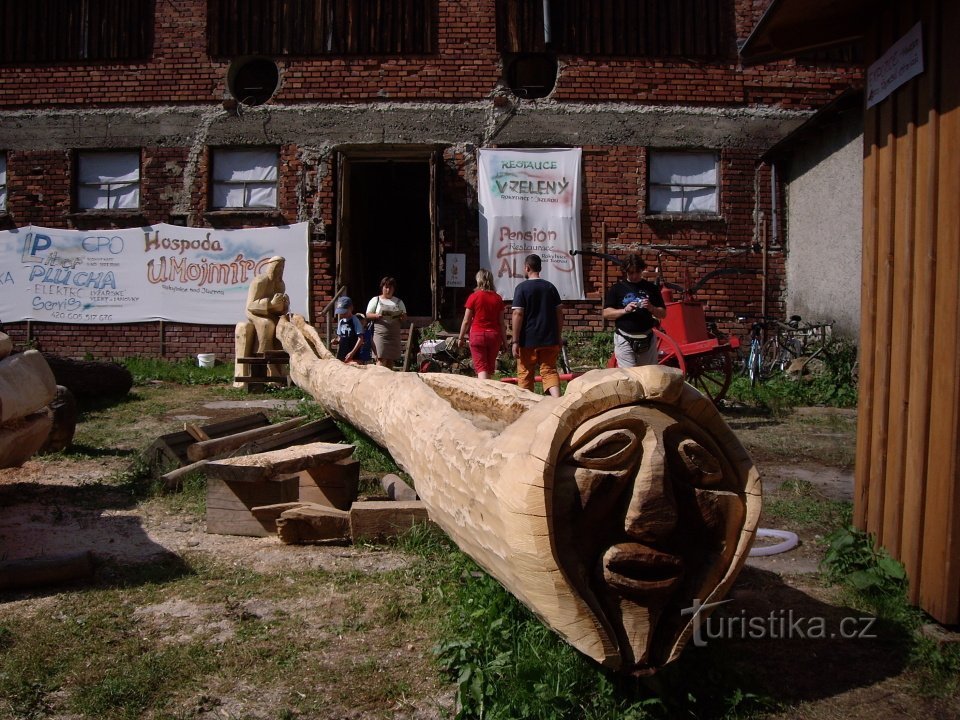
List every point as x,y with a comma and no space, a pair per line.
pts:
648,513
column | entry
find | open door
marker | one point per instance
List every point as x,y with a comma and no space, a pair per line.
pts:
387,226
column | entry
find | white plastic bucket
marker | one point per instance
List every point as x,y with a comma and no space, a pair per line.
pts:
206,360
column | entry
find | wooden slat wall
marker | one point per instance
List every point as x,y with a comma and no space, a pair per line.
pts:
633,28
47,31
320,27
908,452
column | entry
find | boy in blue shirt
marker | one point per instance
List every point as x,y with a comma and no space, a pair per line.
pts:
349,332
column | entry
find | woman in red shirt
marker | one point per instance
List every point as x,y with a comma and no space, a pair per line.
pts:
484,318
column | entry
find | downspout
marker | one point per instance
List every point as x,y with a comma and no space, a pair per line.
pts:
774,228
547,34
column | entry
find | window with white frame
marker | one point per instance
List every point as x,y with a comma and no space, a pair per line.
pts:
108,180
3,182
245,178
682,183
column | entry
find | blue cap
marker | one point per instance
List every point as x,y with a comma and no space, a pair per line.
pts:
343,304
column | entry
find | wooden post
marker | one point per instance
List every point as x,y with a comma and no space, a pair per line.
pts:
603,271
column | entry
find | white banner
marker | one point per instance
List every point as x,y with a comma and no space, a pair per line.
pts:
530,203
159,272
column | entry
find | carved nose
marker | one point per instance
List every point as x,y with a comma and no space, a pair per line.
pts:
652,514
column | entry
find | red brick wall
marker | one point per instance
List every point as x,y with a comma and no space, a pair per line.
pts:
466,67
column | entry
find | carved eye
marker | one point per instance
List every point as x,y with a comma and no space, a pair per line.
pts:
699,466
608,450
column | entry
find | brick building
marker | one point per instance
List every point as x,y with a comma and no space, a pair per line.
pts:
363,119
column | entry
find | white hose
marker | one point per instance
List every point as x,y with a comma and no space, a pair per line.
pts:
788,539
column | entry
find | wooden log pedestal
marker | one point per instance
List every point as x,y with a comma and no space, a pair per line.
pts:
619,513
257,370
235,486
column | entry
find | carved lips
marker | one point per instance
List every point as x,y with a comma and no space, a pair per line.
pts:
640,572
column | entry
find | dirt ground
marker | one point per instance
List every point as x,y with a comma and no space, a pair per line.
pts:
43,512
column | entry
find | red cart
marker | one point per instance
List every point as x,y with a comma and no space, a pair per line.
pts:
684,341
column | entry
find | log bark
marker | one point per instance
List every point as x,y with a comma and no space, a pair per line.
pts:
607,512
90,378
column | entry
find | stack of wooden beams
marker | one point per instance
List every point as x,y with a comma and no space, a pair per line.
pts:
294,479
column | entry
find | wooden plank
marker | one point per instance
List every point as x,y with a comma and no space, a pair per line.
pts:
901,281
267,515
229,504
923,306
331,484
195,431
220,446
940,571
863,480
313,523
883,299
172,480
382,519
324,429
173,446
267,466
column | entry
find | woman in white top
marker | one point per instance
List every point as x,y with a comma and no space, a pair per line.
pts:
389,314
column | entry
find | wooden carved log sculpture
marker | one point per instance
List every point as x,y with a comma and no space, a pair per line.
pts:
608,511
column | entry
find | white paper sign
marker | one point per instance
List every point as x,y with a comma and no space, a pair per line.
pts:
456,270
158,272
530,203
904,60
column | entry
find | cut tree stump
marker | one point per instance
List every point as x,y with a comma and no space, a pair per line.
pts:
382,519
230,504
269,465
333,484
313,523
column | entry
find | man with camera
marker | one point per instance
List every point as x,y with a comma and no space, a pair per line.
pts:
636,307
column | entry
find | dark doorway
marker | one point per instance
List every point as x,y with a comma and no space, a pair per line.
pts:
390,233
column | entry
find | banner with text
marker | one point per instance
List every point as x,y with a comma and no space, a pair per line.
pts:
530,203
160,272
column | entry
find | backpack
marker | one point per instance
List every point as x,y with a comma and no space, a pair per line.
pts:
365,354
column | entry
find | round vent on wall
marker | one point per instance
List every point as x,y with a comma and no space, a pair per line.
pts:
531,76
253,81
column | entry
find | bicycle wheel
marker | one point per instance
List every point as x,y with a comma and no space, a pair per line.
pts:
773,358
711,373
753,363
